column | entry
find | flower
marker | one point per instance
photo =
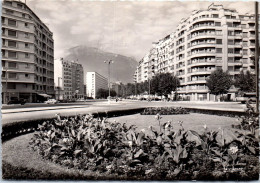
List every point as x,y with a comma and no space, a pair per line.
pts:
233,149
250,122
158,116
49,132
180,122
88,117
130,143
65,140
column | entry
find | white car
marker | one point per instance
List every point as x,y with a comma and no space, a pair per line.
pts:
51,101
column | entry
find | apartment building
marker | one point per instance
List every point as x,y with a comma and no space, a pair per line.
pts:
95,81
69,79
27,54
208,39
77,79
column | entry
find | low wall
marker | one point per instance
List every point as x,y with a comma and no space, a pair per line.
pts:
11,130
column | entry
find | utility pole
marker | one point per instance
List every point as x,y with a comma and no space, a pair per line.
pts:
257,55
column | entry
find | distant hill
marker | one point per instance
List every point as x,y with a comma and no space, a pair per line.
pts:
92,59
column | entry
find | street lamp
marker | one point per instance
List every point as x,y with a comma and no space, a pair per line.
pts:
108,62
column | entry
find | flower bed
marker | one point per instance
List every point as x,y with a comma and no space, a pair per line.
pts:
164,111
85,143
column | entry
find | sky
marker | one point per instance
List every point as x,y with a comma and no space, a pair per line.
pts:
121,27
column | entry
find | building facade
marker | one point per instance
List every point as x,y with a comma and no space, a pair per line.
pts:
69,79
27,54
208,39
77,79
95,81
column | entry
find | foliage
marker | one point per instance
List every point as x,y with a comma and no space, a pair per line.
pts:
103,93
219,82
164,84
164,111
245,82
168,154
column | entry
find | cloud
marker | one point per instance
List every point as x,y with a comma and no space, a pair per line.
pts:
128,28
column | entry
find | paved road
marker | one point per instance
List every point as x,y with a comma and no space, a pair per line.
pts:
29,105
44,112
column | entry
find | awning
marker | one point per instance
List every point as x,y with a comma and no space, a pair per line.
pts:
44,95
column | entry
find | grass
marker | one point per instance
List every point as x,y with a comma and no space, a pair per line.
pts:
192,121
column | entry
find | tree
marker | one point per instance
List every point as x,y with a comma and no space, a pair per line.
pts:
245,82
103,93
219,82
164,84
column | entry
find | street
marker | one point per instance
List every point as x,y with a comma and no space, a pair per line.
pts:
33,112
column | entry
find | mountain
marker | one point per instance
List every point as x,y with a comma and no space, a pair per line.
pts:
92,59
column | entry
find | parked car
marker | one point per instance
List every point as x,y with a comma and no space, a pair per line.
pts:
251,97
51,101
17,101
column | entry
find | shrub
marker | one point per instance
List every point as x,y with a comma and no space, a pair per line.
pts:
169,154
164,111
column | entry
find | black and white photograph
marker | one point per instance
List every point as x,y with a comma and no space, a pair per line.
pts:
129,90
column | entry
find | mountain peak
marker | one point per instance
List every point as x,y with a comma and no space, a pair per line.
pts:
92,59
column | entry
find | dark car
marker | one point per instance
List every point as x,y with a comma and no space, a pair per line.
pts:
17,101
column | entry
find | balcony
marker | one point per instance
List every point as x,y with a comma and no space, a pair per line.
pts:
202,53
202,62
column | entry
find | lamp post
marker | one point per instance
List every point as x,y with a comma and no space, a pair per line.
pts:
108,62
59,87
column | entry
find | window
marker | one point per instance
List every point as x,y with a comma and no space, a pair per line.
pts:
26,75
11,54
231,59
230,50
244,34
218,59
219,41
230,68
11,22
27,66
11,75
12,43
215,15
10,12
26,24
11,64
230,33
218,32
8,3
219,50
20,6
245,51
26,35
11,86
26,45
23,15
217,24
244,43
230,42
229,24
12,33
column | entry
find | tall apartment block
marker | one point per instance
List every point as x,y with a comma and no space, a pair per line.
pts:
27,54
208,39
69,79
95,81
